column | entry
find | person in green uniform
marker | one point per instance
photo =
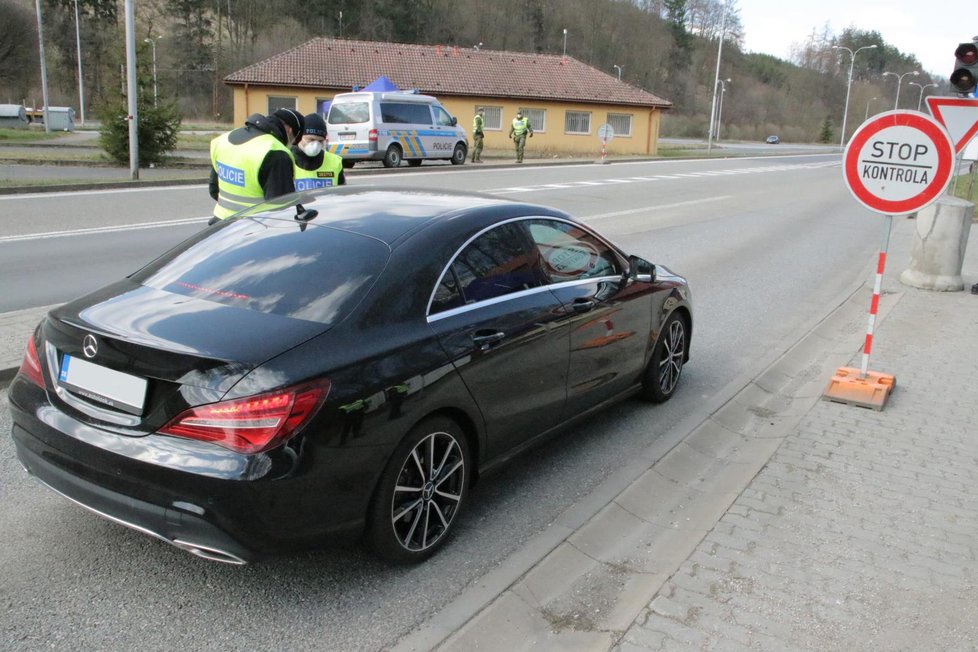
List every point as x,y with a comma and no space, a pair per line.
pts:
478,123
314,166
253,163
518,131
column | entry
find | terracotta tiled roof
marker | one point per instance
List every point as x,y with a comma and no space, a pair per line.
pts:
442,70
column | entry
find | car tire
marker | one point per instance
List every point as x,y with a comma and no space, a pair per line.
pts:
421,492
393,157
666,366
459,155
414,162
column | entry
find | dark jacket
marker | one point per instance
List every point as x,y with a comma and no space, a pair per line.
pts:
275,174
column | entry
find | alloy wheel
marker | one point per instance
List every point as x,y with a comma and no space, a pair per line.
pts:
673,353
428,491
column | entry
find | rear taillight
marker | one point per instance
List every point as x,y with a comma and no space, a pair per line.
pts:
372,136
252,424
31,366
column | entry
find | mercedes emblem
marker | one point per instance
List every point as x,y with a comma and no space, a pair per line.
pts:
89,346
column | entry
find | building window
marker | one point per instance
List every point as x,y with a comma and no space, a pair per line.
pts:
621,123
276,102
493,117
577,122
537,118
322,105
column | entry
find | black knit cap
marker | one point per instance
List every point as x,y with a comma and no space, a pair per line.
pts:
315,125
293,119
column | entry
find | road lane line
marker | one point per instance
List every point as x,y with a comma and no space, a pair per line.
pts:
632,211
104,229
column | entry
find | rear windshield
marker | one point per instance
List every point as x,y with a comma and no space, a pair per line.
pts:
349,113
273,266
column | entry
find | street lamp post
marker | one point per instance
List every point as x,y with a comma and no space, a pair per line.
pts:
152,42
896,103
618,68
852,63
922,87
723,91
866,117
716,79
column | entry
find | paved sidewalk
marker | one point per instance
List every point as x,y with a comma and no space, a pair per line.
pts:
861,533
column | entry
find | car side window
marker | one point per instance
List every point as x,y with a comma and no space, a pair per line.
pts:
569,253
498,262
442,119
447,294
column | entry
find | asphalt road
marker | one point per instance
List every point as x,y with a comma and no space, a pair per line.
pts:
769,247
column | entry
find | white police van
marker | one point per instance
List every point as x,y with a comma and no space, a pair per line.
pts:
391,127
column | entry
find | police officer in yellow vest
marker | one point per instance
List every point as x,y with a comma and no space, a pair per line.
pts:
253,163
518,131
478,124
314,166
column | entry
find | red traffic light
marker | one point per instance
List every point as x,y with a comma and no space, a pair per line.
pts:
967,53
963,78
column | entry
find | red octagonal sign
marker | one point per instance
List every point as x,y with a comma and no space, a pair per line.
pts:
898,162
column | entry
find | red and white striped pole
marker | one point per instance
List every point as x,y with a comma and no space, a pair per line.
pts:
874,306
604,142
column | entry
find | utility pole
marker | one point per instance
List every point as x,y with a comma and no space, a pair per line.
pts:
44,69
133,116
81,81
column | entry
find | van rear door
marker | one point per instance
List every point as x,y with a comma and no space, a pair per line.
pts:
348,125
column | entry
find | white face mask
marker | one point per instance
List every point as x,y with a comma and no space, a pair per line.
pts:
313,148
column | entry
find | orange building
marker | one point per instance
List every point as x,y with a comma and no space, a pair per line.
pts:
565,99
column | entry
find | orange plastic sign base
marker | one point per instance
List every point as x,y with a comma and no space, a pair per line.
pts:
870,392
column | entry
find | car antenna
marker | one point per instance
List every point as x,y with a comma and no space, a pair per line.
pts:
305,215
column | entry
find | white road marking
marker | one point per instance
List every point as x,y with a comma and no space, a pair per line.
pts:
646,209
104,229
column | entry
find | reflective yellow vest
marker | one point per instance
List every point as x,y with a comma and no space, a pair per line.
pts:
237,171
520,127
477,123
326,176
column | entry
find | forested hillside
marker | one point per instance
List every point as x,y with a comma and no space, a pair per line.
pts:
668,47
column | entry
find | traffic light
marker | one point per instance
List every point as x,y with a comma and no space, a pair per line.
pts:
965,68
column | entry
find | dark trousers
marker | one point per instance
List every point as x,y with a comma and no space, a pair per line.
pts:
477,147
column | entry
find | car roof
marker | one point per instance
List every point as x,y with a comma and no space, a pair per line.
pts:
391,214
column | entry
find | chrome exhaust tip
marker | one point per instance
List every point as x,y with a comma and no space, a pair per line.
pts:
208,553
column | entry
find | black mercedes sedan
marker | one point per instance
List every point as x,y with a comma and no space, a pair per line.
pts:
339,365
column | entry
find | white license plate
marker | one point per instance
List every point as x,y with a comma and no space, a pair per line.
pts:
348,136
103,385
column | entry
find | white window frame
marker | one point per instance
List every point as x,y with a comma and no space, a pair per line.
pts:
578,115
621,116
493,118
537,118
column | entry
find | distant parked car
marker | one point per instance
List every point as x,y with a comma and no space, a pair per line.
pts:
773,140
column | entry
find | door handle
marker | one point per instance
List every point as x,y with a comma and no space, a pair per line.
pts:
582,305
485,339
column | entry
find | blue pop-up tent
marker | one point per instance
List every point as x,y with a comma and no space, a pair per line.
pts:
380,85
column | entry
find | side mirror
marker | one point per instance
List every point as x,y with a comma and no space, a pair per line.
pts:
454,121
640,270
